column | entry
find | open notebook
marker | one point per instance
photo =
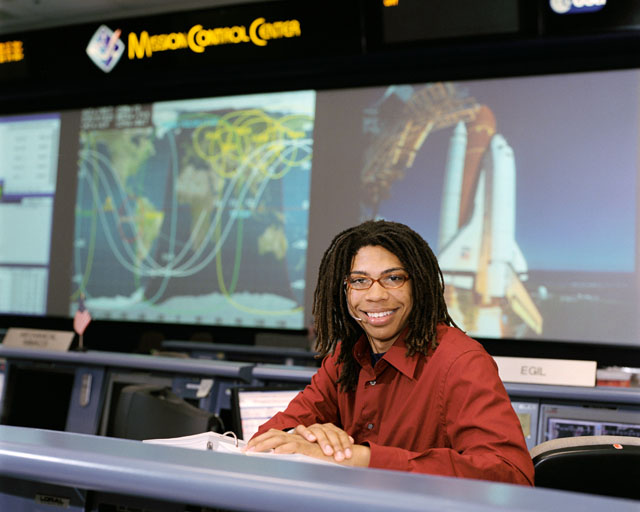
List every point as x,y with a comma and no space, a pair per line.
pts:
228,443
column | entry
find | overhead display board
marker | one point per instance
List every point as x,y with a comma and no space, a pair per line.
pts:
177,48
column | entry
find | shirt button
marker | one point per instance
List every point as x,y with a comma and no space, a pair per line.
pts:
372,382
370,426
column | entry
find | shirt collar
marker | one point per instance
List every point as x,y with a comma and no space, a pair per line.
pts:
396,356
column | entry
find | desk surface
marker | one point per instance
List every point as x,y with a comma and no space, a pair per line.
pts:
247,483
211,348
248,371
176,365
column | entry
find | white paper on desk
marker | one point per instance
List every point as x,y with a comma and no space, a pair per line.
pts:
203,441
226,444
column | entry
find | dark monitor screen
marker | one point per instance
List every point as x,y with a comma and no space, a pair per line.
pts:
253,406
37,396
147,411
416,20
116,382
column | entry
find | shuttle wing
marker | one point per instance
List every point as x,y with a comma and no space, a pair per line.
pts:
522,304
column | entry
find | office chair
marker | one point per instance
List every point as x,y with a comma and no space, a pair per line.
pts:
150,411
604,465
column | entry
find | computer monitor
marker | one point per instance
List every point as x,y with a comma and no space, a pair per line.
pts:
252,406
116,382
148,411
528,415
37,395
558,421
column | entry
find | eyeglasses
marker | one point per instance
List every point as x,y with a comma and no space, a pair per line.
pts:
389,281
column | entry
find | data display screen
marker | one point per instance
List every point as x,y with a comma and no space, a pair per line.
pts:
571,421
29,148
252,407
195,211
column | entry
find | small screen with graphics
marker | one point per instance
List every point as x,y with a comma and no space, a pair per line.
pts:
253,407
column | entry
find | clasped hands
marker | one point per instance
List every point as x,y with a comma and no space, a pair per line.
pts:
322,441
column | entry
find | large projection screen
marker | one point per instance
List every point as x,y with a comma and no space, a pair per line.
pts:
525,188
216,211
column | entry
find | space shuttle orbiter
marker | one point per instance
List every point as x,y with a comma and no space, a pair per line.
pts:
483,266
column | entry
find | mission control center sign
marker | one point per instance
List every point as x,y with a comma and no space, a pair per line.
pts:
106,47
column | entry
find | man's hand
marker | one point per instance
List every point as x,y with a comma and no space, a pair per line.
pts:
306,440
284,442
333,440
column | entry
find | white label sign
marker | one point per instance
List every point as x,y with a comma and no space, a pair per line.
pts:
38,339
55,501
560,372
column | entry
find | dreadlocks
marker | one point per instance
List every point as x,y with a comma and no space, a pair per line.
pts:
331,316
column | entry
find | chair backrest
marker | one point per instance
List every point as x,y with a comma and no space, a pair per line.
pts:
605,465
149,412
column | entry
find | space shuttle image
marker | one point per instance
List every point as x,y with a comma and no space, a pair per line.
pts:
483,266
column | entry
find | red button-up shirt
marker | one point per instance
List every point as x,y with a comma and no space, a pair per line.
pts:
446,413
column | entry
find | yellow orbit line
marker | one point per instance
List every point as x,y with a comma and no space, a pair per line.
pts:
233,137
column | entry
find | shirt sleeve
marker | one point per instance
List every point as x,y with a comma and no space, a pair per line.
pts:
483,438
317,403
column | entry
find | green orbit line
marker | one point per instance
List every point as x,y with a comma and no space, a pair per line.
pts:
93,233
238,258
227,294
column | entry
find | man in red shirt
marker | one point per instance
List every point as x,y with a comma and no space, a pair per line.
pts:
401,387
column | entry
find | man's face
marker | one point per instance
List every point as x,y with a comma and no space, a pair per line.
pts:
382,312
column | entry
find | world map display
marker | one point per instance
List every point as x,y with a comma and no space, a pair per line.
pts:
195,211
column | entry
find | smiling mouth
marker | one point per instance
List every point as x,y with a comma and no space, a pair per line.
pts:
380,314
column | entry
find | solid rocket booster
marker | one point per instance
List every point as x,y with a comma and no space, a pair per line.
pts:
504,200
503,213
450,209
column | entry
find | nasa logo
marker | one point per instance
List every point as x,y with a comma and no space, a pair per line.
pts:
105,48
576,6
